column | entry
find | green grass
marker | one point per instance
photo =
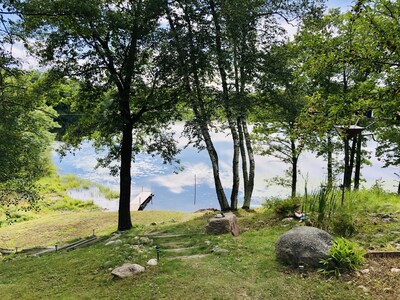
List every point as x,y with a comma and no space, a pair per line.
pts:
59,227
108,192
248,271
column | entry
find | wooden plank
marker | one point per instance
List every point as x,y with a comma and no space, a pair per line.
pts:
383,254
140,200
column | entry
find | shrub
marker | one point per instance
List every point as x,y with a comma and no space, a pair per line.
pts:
321,206
343,223
344,256
283,208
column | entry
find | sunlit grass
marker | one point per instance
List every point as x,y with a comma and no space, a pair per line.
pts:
248,270
59,227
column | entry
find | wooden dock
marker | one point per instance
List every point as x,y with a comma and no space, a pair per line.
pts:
141,201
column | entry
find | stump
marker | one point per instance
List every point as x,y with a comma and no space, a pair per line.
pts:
223,224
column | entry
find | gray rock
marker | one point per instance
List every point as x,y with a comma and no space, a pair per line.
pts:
389,220
365,289
145,240
217,249
395,270
114,237
116,242
287,220
138,248
225,224
127,270
303,245
152,262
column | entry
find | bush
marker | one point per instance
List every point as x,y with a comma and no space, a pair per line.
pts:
343,224
282,208
321,206
344,256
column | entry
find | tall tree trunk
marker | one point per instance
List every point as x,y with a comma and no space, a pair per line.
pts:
330,162
294,168
196,102
212,153
243,155
124,211
227,106
352,157
357,172
252,165
398,188
347,171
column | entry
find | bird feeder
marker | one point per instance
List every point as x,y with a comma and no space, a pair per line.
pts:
349,131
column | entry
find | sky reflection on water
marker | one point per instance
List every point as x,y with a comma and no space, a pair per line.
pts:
176,191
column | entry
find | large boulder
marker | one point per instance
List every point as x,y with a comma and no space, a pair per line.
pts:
222,224
303,245
127,270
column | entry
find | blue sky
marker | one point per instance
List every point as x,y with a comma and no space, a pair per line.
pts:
346,4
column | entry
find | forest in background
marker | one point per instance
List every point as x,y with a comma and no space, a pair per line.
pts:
119,72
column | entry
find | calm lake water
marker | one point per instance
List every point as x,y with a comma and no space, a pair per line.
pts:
178,191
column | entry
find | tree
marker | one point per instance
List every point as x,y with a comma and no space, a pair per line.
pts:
25,138
277,131
218,43
115,49
24,126
340,87
377,23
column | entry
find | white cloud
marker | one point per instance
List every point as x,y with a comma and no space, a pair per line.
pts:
176,183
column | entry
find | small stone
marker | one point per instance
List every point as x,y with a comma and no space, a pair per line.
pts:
390,220
127,270
152,262
287,220
378,235
138,248
217,249
145,241
364,271
395,270
116,242
365,289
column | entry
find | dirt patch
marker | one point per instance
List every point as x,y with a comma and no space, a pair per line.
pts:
379,278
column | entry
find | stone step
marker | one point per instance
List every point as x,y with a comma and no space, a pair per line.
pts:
178,250
175,244
187,257
167,236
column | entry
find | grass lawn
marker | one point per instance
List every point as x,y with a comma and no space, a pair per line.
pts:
58,227
246,269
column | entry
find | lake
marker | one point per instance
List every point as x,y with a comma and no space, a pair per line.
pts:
193,187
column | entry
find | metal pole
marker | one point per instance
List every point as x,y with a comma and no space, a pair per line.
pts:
158,252
195,188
